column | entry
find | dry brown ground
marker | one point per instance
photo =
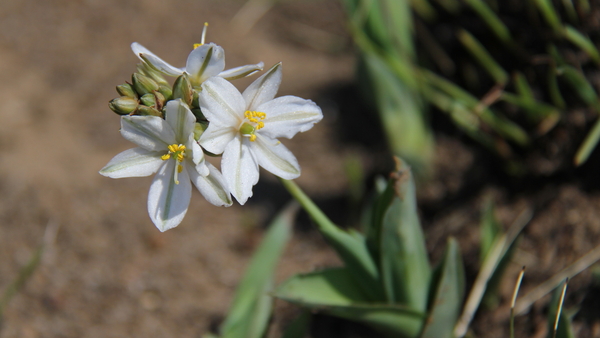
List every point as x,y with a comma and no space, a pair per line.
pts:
108,272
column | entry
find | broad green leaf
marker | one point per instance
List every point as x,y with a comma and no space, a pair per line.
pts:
350,245
330,287
403,260
400,111
334,292
251,308
448,290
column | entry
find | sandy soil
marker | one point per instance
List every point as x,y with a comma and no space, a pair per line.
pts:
108,272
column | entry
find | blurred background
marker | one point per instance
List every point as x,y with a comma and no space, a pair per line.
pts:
106,271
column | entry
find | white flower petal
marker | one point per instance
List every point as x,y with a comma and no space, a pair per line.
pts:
221,102
239,169
181,119
275,157
136,162
194,150
154,61
149,132
204,62
288,115
240,72
167,201
263,89
215,138
212,186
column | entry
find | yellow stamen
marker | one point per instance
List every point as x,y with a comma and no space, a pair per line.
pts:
255,117
196,45
178,152
252,138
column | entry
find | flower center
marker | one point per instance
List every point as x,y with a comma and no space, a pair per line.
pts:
177,151
254,123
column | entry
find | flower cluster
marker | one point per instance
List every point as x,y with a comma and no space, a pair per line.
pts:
202,112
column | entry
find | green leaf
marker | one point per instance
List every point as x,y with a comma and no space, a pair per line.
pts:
334,292
251,308
400,111
582,42
483,57
403,260
350,245
448,290
589,144
491,19
331,287
582,87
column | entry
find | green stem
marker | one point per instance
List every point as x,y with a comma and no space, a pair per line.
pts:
311,208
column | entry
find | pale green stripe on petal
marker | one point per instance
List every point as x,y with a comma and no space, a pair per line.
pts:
136,162
149,132
263,89
167,201
240,72
275,157
240,170
212,186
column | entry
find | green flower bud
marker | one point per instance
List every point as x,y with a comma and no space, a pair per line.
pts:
182,89
160,100
199,129
148,100
149,71
166,91
123,105
148,111
126,90
143,84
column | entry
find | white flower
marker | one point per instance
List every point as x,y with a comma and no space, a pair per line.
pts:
205,61
245,127
167,146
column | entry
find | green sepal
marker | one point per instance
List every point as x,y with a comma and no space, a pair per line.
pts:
447,293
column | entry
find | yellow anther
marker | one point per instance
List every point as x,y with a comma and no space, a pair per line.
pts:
252,138
196,45
260,125
177,150
179,169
